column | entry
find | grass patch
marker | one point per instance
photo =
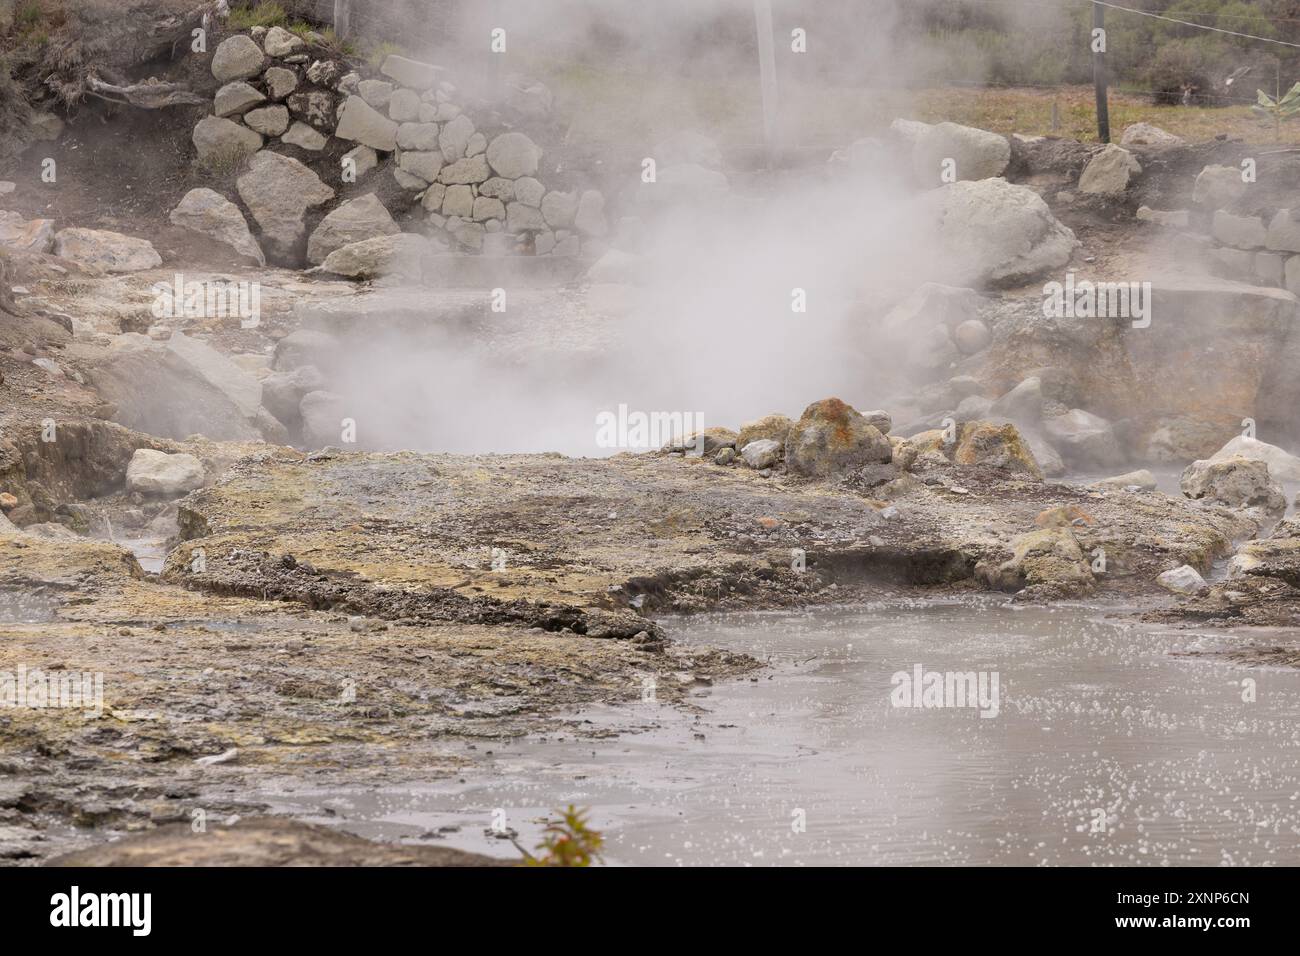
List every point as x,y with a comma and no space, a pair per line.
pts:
267,13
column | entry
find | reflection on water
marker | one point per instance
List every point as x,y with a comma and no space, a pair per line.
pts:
1105,750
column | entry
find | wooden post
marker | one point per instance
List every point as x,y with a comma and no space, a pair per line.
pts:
1099,75
767,74
342,18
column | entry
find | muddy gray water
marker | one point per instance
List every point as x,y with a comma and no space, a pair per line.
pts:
1108,747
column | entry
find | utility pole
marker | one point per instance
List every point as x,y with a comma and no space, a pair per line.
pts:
767,74
1099,70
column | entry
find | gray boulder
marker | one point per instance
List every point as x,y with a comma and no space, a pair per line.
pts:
237,58
211,214
362,123
355,220
1083,439
110,251
278,191
977,153
513,155
991,231
832,438
1233,482
1109,172
218,140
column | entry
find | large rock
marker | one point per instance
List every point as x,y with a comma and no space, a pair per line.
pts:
977,153
454,139
211,214
278,191
236,97
322,415
1241,232
224,142
762,453
157,392
280,42
1214,352
355,220
412,73
773,427
399,254
1049,561
110,251
991,231
1282,465
283,392
513,155
1083,439
1144,134
1109,172
243,390
1234,482
362,123
993,445
833,438
237,58
1182,580
1218,186
269,120
158,473
25,235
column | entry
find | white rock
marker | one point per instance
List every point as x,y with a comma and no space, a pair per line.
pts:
763,453
1182,580
158,473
